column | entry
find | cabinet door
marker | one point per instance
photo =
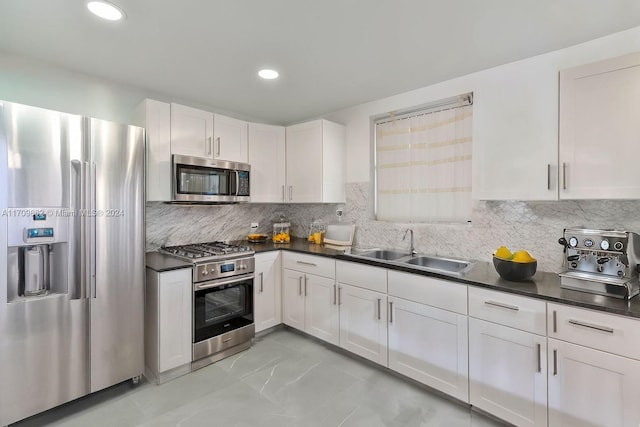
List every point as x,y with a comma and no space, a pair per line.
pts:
267,291
230,139
515,132
321,309
175,298
508,373
429,345
293,299
363,323
191,131
600,130
157,122
592,388
267,160
304,162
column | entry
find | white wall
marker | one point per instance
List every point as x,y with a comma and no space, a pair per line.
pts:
44,85
519,100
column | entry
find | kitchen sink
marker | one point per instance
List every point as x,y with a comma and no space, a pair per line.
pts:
383,254
437,264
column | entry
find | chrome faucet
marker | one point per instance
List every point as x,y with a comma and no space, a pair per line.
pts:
412,249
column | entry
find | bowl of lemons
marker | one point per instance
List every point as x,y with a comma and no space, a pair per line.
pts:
514,266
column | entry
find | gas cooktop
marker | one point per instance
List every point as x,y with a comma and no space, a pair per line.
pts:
207,251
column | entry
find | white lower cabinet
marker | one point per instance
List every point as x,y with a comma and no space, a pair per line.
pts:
310,304
429,345
592,388
363,322
168,320
507,373
267,290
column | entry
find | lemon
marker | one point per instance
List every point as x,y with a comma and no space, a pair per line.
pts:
504,253
522,256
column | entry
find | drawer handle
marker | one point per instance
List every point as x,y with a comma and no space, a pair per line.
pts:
310,264
592,326
379,305
305,285
555,321
300,285
261,282
339,295
539,357
335,295
555,363
502,305
390,311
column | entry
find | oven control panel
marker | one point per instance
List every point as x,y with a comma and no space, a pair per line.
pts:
223,269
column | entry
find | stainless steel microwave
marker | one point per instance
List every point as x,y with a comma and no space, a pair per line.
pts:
199,180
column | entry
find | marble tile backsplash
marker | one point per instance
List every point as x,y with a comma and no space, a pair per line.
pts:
534,226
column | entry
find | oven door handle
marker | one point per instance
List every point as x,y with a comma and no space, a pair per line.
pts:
215,283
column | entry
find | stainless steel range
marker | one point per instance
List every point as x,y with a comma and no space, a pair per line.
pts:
223,277
604,262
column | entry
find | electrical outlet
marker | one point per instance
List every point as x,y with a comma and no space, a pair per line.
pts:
255,225
339,212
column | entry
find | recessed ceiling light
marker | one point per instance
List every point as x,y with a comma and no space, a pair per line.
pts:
268,74
106,10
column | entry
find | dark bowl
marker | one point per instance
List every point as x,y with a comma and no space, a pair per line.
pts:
514,271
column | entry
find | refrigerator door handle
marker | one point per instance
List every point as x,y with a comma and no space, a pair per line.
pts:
92,232
76,244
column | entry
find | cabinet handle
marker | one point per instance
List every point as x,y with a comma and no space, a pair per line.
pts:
592,326
339,295
219,142
300,285
209,146
290,192
555,363
539,357
379,308
390,311
305,285
283,193
310,264
261,282
548,176
335,293
564,176
502,305
555,321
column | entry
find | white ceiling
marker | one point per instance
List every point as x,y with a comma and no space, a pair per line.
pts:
331,54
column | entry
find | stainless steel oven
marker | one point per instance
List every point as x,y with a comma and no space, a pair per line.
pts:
222,315
223,277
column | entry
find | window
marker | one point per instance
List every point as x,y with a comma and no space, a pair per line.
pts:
423,163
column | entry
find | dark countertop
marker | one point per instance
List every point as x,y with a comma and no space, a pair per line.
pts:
161,262
542,285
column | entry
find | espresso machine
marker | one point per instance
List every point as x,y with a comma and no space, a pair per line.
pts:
604,262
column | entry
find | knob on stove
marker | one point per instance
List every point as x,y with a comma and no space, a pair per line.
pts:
204,272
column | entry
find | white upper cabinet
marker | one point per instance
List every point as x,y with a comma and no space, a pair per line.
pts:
230,139
316,162
191,132
155,116
267,160
600,130
515,133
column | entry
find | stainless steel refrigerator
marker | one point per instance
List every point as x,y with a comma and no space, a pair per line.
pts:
71,256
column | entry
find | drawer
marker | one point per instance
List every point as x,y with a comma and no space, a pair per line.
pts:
607,332
517,312
445,294
361,275
320,266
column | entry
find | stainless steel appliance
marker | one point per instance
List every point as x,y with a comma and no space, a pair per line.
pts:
72,255
604,262
223,277
198,180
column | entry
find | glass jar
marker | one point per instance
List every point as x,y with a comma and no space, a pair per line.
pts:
281,231
317,232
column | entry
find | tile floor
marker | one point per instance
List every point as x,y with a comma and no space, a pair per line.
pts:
286,379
